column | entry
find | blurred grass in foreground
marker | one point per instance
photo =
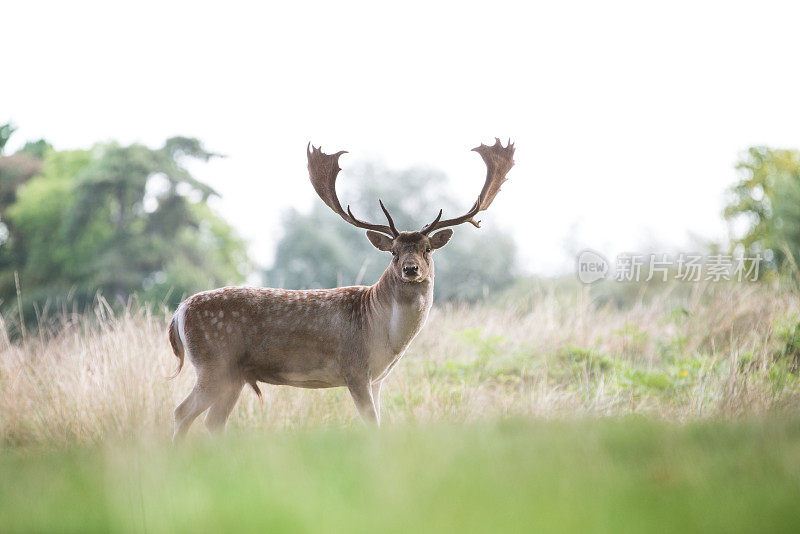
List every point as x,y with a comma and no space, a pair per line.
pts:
597,475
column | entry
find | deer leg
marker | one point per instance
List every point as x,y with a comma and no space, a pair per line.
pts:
376,399
196,402
223,406
361,392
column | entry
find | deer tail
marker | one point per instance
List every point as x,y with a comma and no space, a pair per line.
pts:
177,345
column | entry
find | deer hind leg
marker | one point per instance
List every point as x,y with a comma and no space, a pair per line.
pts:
223,405
196,402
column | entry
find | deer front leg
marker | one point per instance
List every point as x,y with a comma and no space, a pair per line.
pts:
376,399
361,392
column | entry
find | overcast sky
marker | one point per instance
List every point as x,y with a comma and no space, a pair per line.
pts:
628,118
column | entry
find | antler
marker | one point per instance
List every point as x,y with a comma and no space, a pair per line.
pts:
323,169
499,159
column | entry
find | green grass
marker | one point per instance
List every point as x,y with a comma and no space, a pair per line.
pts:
593,475
554,416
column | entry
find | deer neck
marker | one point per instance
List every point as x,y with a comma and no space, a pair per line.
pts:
403,307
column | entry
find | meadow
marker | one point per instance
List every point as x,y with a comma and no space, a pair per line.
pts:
553,406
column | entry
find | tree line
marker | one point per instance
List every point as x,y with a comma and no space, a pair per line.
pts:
123,221
111,220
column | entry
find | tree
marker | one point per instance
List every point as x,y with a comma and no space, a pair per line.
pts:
767,200
6,131
320,250
119,220
15,170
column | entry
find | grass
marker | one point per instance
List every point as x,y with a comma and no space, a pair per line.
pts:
551,408
612,475
722,351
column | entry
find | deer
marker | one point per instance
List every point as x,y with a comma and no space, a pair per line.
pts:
319,338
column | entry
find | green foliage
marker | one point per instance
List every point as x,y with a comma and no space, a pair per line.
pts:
634,339
788,335
15,170
647,381
117,220
767,197
320,250
606,475
487,346
487,359
6,131
37,149
586,361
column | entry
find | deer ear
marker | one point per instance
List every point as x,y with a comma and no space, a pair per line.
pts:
440,239
380,241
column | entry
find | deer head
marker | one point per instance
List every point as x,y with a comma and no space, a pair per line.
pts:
411,251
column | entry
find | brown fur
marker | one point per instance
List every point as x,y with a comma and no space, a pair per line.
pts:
348,336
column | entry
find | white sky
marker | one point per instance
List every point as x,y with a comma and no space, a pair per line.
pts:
628,118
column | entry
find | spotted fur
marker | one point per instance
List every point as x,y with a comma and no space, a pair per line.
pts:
318,338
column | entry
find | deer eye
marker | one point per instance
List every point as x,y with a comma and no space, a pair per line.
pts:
394,253
427,249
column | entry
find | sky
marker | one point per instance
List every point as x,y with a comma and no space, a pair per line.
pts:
628,117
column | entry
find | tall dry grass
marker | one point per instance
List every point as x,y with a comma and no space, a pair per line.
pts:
721,351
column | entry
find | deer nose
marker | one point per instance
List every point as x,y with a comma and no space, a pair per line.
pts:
410,270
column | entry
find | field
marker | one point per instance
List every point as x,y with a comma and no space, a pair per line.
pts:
552,406
626,475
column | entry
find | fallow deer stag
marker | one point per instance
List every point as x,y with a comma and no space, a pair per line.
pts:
347,336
